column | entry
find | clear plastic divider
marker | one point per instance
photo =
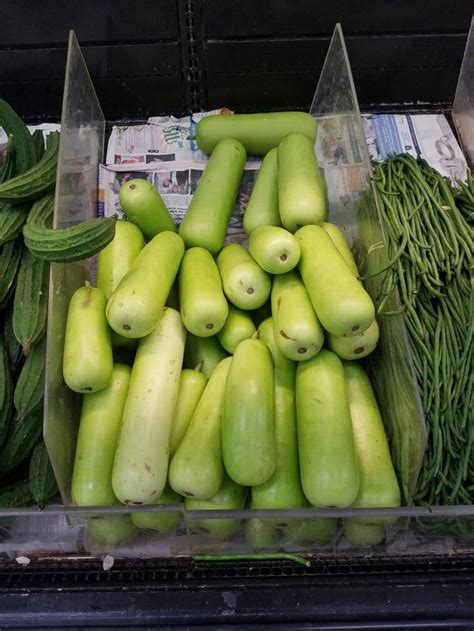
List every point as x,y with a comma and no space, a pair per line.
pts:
463,106
80,153
342,153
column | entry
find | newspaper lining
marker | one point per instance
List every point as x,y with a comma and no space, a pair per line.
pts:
165,153
176,182
427,135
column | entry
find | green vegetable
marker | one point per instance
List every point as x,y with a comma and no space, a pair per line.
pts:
357,346
173,297
298,333
29,390
123,344
283,489
12,345
115,259
306,532
205,223
25,154
42,482
301,187
22,437
12,220
7,167
87,358
257,132
16,495
191,387
6,392
328,461
340,241
38,141
204,308
196,469
144,206
230,496
430,256
141,460
205,351
245,284
363,534
464,197
391,372
30,306
135,307
248,424
9,264
378,482
37,180
12,217
341,303
262,207
276,250
110,530
162,522
64,245
238,326
261,533
99,428
262,313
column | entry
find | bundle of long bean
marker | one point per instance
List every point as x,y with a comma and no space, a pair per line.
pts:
430,247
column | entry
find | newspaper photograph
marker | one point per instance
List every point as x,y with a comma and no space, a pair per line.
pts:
176,182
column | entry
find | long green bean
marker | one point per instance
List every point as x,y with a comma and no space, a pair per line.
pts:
430,248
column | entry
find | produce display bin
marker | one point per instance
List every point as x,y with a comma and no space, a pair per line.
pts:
83,545
351,206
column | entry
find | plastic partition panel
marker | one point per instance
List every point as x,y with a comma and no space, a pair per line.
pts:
169,531
342,153
463,106
329,532
80,153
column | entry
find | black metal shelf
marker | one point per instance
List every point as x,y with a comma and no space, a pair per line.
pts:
333,593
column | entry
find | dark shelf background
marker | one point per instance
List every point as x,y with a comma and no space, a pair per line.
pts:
176,56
